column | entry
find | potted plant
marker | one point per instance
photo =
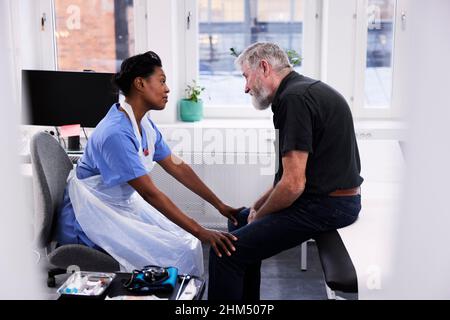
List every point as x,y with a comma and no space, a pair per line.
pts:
191,108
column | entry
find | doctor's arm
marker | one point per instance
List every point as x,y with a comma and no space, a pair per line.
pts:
220,241
177,168
288,189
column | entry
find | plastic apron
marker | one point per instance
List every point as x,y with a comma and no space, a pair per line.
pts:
121,222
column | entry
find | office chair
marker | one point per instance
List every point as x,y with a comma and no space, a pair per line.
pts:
51,167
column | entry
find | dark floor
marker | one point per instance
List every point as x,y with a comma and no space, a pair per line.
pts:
282,278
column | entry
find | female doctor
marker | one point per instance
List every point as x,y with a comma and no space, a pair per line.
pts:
111,202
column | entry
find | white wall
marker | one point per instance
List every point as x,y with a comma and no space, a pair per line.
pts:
29,41
422,254
20,281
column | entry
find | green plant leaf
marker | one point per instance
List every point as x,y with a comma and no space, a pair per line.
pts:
194,91
234,53
294,57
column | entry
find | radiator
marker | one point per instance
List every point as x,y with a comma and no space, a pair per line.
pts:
238,184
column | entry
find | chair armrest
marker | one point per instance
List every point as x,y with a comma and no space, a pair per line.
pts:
86,258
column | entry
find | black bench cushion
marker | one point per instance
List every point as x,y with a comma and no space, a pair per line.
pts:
340,274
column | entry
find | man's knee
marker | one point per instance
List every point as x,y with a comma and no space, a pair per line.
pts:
214,258
241,218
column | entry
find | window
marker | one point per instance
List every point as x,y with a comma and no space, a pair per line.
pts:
237,24
93,34
380,44
378,48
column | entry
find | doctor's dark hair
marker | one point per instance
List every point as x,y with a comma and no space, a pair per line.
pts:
141,65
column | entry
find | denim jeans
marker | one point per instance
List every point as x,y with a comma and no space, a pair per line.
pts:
238,277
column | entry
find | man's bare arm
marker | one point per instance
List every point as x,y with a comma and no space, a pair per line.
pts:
289,188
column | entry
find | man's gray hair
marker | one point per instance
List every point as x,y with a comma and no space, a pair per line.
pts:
270,52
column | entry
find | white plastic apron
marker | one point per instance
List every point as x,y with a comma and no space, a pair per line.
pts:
121,222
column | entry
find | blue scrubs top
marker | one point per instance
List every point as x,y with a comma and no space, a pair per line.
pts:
112,152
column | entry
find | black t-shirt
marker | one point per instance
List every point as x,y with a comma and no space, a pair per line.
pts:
313,117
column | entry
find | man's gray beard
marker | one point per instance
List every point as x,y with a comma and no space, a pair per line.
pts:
261,100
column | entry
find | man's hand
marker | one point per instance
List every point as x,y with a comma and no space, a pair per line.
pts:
230,213
252,216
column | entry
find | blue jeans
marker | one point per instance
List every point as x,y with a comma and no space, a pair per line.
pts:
238,277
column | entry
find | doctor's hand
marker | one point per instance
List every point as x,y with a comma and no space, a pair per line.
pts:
219,241
230,213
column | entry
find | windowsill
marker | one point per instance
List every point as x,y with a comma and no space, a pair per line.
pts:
365,129
222,124
267,123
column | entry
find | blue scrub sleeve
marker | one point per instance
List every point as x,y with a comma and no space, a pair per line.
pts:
162,150
119,160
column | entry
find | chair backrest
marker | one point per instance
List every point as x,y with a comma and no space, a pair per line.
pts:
51,167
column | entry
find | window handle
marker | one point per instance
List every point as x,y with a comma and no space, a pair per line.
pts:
403,18
43,21
188,20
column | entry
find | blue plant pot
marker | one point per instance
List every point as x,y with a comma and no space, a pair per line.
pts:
191,111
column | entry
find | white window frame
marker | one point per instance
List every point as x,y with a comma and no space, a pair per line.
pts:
140,25
360,111
48,47
338,46
311,64
47,42
334,51
156,28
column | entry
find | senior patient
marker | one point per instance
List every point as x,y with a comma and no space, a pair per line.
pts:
111,202
317,186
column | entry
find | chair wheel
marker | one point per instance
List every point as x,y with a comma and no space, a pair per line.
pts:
51,282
